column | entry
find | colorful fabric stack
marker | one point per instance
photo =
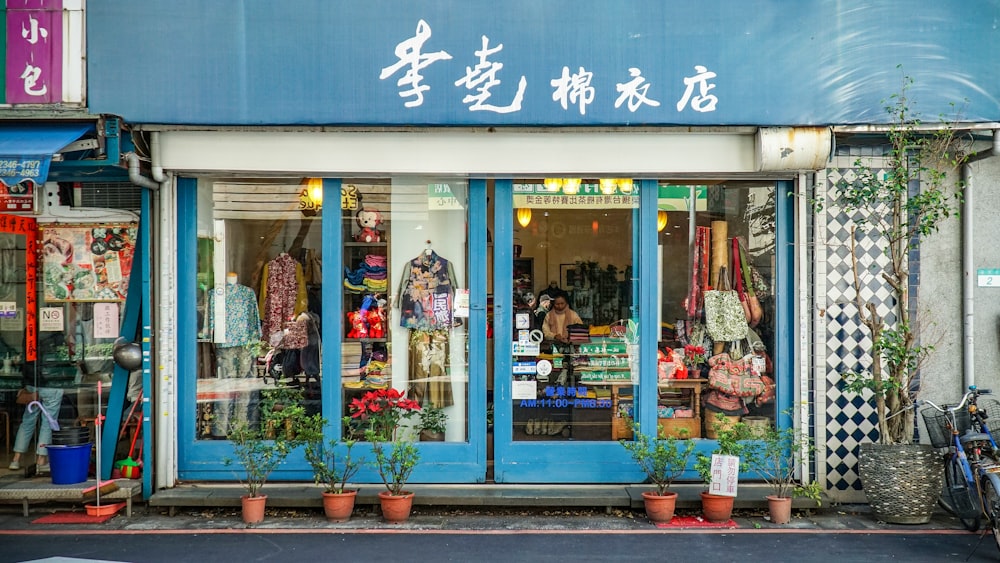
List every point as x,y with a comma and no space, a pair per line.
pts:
578,333
370,276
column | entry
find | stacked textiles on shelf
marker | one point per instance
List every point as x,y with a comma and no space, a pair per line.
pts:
370,276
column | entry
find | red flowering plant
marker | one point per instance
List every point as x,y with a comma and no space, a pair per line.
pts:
379,413
693,355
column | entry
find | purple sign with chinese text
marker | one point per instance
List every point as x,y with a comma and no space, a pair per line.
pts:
34,51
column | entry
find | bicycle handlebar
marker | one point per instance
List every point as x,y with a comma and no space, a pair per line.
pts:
973,392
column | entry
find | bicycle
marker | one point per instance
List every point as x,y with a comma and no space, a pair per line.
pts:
971,466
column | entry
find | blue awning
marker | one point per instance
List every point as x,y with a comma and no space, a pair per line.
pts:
26,149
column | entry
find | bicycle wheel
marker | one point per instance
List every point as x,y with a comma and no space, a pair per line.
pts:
991,503
962,495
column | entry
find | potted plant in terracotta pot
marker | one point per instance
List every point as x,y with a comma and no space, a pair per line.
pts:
730,441
432,424
380,413
772,454
331,470
662,460
258,457
896,202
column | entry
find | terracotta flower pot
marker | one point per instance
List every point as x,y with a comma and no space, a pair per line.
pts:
396,508
659,508
253,509
716,508
780,509
339,506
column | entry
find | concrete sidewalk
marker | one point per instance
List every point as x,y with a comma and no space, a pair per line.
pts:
833,519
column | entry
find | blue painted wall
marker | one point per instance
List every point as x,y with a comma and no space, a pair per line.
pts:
319,61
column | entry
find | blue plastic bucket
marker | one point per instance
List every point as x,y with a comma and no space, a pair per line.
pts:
69,464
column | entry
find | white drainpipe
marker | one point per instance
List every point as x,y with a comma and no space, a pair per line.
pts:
968,265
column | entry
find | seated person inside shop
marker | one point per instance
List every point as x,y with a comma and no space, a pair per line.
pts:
557,321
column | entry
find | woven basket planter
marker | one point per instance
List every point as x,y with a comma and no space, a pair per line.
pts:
902,481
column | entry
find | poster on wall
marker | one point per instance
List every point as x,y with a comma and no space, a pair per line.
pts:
87,262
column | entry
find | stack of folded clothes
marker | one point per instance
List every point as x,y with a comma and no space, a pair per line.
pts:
578,333
370,276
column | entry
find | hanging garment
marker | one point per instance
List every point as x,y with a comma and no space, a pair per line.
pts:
242,320
283,294
430,384
426,293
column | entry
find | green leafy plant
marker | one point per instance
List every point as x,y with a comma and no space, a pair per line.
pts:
282,412
256,455
731,439
899,204
394,463
432,420
329,469
772,454
661,459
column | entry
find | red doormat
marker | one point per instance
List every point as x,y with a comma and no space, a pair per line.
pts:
67,517
696,522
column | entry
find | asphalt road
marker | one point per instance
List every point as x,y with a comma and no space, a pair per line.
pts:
493,546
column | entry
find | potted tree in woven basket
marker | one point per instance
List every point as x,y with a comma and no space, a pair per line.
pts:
662,460
897,203
330,469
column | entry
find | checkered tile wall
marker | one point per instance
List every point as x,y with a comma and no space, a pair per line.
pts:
849,419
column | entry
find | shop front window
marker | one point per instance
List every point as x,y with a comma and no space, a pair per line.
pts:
259,287
405,305
712,238
575,312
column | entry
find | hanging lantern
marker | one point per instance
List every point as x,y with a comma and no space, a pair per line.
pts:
553,184
314,187
661,220
571,186
523,216
608,186
625,185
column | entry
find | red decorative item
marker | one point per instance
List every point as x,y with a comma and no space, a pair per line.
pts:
369,220
359,328
376,323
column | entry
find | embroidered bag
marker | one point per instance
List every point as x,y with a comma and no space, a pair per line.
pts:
724,317
734,377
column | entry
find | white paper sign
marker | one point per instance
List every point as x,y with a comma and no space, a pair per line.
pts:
13,323
462,303
50,319
524,390
522,320
105,320
725,475
8,309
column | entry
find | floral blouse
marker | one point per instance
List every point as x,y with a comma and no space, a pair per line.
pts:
426,293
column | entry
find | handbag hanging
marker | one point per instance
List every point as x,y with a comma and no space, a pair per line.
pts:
739,281
734,377
756,311
724,318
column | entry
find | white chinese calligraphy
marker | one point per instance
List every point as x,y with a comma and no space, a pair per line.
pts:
575,89
409,54
703,101
30,77
34,32
483,76
634,91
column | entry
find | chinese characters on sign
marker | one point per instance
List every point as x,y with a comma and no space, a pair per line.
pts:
87,263
18,197
569,90
34,51
725,475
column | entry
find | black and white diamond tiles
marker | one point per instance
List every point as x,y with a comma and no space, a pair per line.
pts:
850,419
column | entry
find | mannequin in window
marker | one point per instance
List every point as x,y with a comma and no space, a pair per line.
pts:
240,328
426,303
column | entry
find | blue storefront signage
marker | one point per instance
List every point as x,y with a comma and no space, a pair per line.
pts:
523,62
